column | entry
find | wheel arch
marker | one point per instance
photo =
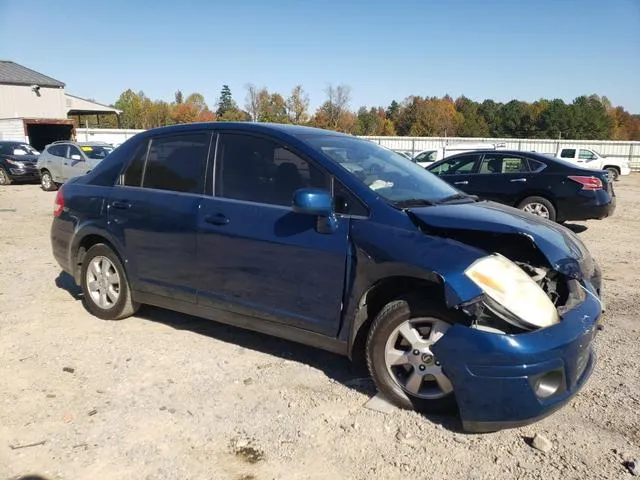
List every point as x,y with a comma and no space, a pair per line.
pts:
616,167
536,193
377,295
89,237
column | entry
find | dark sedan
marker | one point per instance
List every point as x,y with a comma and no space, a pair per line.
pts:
18,163
533,182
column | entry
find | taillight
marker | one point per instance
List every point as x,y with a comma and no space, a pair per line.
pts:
588,183
58,205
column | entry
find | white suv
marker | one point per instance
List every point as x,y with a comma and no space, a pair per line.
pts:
63,160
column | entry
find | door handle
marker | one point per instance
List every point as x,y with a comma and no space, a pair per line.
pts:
464,182
124,205
218,219
518,180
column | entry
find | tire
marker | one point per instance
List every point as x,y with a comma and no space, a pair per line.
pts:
106,295
46,181
385,341
613,173
5,179
538,204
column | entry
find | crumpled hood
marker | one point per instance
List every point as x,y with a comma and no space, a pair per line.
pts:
563,249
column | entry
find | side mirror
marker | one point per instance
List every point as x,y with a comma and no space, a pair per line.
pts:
318,202
76,157
313,201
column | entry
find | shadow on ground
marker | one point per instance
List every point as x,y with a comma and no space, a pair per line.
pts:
353,375
576,228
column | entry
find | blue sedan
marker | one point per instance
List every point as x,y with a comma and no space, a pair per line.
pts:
335,242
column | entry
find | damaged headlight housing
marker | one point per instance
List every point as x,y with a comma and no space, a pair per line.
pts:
512,294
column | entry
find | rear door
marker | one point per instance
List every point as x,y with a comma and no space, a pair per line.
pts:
153,213
502,177
258,258
458,171
54,161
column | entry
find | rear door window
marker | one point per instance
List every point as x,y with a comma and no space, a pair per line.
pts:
568,153
58,150
586,155
177,163
132,176
501,163
73,151
462,165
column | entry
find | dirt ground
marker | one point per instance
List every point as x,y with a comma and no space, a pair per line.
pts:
167,396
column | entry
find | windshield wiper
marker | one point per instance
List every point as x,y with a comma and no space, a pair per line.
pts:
458,196
414,202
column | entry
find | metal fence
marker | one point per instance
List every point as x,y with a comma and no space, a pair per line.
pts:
622,150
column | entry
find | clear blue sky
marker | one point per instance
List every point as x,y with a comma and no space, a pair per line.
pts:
384,50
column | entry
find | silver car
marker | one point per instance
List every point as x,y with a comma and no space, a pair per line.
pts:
63,160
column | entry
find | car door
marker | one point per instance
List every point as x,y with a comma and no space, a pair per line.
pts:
458,171
258,258
54,161
502,177
75,163
153,213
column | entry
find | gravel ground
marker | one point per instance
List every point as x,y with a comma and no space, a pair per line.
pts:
167,396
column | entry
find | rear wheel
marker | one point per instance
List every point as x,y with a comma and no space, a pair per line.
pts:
400,359
46,181
105,285
538,206
5,179
613,173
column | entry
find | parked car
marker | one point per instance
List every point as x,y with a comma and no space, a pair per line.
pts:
533,182
589,158
450,299
63,160
428,157
17,162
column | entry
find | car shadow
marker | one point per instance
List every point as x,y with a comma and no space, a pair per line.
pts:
576,228
351,374
66,282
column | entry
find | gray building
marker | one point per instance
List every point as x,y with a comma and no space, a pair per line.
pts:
35,107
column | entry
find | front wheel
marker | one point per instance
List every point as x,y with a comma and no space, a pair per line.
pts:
399,356
5,179
46,181
538,206
105,286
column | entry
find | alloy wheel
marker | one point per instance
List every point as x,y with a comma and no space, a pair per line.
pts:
536,209
46,181
410,361
103,282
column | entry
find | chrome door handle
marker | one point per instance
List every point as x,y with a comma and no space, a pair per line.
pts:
464,182
218,219
518,180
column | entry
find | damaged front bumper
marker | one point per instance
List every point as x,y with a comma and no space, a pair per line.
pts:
506,381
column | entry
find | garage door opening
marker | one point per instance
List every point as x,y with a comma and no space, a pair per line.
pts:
42,134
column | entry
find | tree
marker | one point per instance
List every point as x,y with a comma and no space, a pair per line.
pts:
297,106
184,113
178,97
490,111
252,102
473,123
392,110
430,117
160,114
225,103
336,106
590,119
130,103
234,115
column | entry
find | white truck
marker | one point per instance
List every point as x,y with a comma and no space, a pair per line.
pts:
589,158
427,157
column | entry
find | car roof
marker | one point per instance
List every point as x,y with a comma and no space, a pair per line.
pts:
290,130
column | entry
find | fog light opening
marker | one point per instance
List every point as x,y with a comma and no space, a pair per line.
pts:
548,384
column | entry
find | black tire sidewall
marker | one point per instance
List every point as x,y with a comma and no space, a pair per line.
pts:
114,312
394,314
553,214
613,174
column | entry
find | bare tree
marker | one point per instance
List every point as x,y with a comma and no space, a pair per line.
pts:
253,102
298,105
338,99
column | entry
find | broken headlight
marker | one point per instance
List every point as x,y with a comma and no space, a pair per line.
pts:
511,293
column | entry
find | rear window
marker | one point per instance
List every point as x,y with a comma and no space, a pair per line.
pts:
132,176
57,150
177,163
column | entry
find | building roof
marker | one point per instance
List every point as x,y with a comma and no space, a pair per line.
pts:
80,106
12,73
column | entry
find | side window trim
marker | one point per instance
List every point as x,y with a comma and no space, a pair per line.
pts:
335,179
120,179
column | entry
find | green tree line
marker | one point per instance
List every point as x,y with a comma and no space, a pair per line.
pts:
588,117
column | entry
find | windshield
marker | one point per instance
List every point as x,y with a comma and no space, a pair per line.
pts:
24,149
96,152
389,174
